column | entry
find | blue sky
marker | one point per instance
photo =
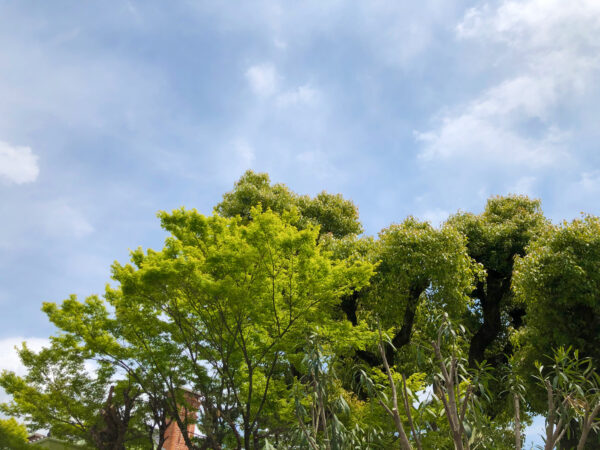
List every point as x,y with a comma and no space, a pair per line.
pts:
109,113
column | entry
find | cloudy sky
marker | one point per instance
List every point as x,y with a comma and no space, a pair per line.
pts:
109,113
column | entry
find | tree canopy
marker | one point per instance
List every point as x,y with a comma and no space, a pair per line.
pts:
331,212
494,239
273,323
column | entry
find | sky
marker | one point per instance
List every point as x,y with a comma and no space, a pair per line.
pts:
112,112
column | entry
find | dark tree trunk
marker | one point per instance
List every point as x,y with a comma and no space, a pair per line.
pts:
490,297
402,337
112,433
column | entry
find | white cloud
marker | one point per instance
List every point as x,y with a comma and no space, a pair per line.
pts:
497,125
263,79
61,219
50,221
244,153
396,33
266,82
471,137
302,95
9,360
535,24
524,185
18,164
280,44
553,48
319,164
46,84
400,32
589,182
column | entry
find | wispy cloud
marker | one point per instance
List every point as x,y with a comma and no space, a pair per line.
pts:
494,127
554,49
18,165
62,220
302,95
263,79
318,164
530,120
266,82
524,185
141,107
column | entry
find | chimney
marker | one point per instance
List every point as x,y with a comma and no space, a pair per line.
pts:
174,438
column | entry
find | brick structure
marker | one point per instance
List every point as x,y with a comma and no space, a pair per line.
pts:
174,439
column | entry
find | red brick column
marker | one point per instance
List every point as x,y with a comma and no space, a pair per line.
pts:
174,439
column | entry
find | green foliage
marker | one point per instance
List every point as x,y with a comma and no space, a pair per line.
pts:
572,387
327,415
494,239
502,231
331,212
417,259
223,308
57,391
13,435
262,317
62,393
422,271
559,284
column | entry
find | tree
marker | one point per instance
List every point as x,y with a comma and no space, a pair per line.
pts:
133,344
331,212
323,414
224,304
13,435
494,238
256,325
421,271
558,284
74,401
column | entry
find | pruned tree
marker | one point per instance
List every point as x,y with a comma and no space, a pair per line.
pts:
494,239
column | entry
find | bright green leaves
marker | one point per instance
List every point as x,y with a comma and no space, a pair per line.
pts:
333,213
226,306
237,297
253,189
13,435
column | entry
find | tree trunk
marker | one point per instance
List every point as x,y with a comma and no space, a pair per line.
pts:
490,297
